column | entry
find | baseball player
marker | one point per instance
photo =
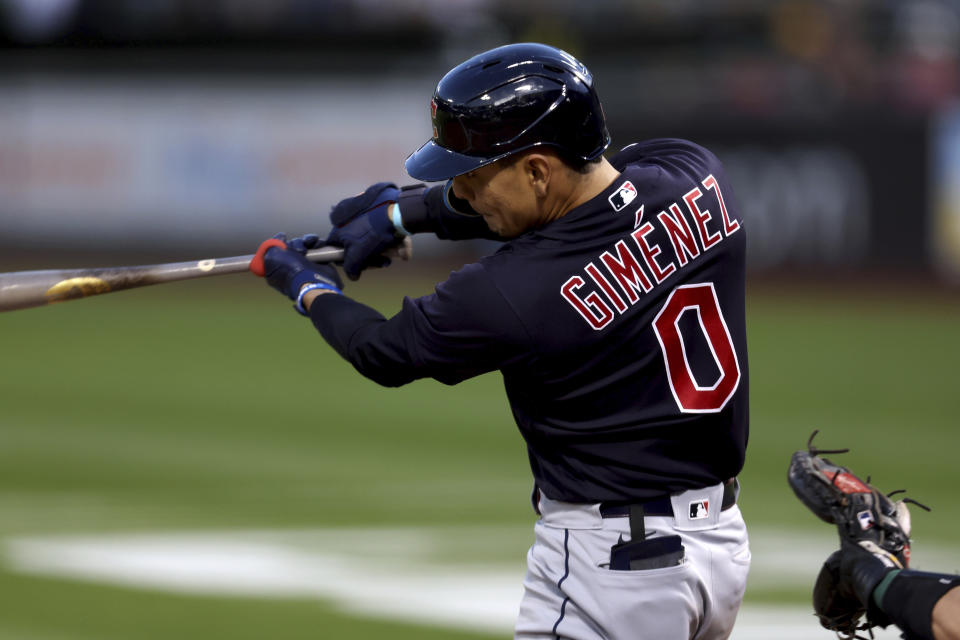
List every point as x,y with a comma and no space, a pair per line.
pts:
614,312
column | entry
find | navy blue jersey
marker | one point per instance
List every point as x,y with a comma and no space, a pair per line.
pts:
618,328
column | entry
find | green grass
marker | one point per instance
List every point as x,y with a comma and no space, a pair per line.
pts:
35,609
211,404
878,375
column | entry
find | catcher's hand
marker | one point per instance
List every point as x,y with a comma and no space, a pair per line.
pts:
874,537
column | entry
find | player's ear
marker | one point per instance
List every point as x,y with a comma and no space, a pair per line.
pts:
538,171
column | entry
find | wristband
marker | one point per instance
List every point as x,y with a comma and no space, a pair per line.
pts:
881,589
310,287
397,219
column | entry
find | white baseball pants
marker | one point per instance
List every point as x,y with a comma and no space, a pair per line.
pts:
570,592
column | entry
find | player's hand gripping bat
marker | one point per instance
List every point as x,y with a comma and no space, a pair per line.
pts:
24,289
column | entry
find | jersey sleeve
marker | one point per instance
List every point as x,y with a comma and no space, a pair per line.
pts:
436,210
463,329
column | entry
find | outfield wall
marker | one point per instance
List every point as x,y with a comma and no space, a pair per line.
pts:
101,160
222,162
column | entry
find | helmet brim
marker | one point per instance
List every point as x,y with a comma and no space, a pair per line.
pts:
433,163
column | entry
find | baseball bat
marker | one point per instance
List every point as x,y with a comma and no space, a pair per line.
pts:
25,289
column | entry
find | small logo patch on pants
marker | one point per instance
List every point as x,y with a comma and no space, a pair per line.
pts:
699,509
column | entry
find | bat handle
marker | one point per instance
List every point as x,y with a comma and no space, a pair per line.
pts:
404,251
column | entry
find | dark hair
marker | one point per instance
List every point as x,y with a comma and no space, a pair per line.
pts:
581,166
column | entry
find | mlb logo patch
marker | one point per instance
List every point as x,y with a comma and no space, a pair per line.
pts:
623,196
699,509
866,519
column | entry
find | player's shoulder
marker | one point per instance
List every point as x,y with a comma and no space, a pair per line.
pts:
665,153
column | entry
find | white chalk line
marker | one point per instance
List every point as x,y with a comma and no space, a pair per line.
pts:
406,574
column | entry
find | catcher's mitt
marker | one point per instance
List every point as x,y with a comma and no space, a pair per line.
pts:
867,521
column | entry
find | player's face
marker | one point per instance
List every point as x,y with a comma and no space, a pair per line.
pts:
502,194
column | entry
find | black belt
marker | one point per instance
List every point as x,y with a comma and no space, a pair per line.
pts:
663,506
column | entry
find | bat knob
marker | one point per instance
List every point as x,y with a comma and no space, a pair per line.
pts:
256,265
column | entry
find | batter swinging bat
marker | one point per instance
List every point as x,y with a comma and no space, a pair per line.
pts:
24,289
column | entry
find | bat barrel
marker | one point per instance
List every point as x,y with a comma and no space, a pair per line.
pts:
25,289
22,289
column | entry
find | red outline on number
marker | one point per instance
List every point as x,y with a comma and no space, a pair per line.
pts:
690,398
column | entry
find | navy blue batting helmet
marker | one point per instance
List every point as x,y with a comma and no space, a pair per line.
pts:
506,100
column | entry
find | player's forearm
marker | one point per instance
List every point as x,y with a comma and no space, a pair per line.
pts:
946,616
924,605
434,210
362,337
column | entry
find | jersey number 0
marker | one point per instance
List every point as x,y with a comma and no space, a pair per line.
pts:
692,397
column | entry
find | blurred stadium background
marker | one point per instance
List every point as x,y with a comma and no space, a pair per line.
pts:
191,461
